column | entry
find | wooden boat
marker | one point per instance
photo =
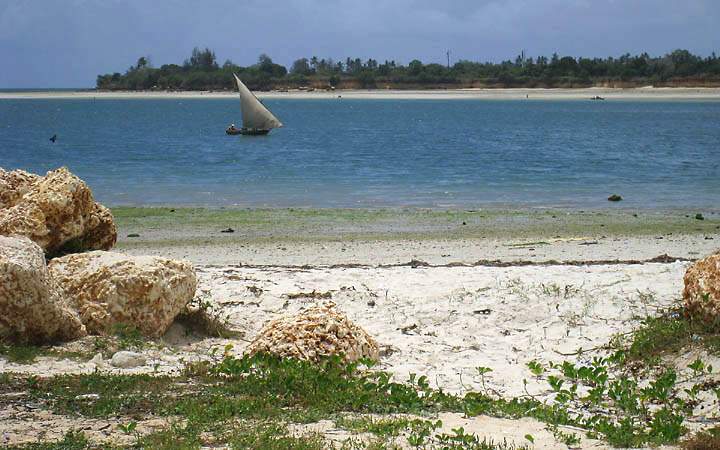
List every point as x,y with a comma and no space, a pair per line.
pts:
246,131
257,119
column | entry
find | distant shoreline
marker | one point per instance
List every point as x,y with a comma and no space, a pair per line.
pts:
645,93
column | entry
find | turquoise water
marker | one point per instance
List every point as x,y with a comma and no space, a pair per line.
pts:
376,153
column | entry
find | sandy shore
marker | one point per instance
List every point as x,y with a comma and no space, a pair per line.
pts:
645,93
500,289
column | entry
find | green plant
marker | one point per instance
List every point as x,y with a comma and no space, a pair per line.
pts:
128,428
129,337
459,439
19,353
536,368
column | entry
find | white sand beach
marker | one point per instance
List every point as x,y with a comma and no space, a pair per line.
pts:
442,321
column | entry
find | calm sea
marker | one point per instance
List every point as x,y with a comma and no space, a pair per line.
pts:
376,153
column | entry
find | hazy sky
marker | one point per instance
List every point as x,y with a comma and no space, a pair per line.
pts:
66,43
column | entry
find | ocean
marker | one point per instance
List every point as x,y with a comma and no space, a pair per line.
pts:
376,153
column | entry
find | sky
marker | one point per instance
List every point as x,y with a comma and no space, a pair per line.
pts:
67,43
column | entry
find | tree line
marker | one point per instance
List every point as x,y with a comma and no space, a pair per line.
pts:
202,72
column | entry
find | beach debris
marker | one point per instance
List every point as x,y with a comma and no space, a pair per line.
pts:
133,235
317,332
527,244
415,263
227,230
56,211
314,294
108,288
615,198
702,290
31,306
408,328
256,291
699,216
127,360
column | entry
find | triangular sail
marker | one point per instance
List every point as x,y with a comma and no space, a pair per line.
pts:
254,114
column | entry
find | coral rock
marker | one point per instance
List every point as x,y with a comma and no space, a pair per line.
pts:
100,232
702,289
55,211
31,307
109,289
313,334
13,185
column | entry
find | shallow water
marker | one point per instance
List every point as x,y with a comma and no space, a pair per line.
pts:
352,153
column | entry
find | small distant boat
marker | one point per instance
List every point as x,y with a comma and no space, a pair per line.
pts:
257,119
597,97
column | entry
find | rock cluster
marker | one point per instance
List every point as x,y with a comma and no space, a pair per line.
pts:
31,305
702,290
108,288
79,293
315,333
55,211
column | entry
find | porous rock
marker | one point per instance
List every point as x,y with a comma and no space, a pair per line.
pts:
315,333
55,211
109,288
13,185
702,289
31,307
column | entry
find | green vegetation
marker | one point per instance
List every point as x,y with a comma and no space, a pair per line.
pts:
225,402
121,337
634,396
202,72
668,334
24,353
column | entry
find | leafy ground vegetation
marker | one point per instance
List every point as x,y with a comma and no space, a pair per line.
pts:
629,394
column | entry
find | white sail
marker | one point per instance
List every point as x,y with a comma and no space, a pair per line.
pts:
254,114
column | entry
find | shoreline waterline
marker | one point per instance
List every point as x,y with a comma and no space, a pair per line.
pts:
642,93
312,237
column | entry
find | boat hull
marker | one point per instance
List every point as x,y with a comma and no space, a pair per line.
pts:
247,132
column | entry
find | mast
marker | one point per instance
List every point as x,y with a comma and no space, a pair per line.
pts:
254,114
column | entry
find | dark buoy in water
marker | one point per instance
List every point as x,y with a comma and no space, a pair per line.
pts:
53,138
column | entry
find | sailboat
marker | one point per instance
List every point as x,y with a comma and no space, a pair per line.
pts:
257,119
